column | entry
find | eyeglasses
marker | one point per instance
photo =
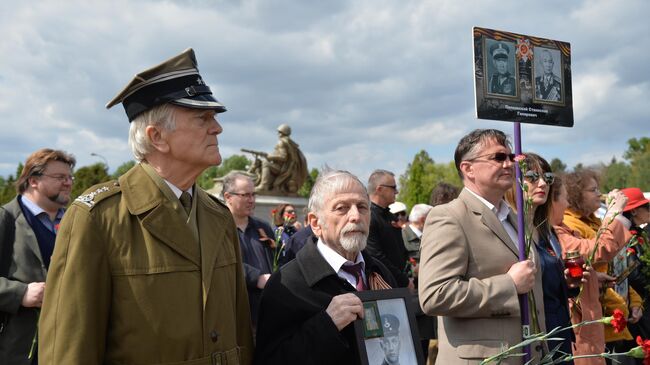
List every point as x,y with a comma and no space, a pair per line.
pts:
533,176
498,157
244,195
60,177
595,190
394,187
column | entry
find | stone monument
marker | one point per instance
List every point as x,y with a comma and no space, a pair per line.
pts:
277,175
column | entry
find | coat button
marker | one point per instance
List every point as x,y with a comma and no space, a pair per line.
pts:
214,335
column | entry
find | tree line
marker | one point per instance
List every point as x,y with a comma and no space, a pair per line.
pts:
416,184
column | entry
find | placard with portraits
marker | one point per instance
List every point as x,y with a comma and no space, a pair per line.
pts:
521,78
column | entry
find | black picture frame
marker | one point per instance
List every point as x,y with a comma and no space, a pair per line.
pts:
401,327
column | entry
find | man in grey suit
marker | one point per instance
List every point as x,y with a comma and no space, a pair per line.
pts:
470,275
33,217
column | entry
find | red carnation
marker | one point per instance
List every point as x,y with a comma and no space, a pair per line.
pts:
618,321
630,251
644,345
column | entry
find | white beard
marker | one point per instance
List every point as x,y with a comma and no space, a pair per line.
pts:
356,241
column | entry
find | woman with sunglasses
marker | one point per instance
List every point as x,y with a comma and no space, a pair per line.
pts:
573,219
538,180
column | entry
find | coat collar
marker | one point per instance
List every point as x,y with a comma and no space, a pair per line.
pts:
158,215
490,220
314,268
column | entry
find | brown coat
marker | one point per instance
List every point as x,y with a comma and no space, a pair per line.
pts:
465,256
128,283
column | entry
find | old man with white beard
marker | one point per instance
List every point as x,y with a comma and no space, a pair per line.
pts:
307,307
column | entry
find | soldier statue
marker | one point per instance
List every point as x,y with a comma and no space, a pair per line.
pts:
283,171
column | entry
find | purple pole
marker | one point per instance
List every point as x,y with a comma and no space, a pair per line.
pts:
521,231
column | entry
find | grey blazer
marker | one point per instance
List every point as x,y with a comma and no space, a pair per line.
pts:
465,256
26,267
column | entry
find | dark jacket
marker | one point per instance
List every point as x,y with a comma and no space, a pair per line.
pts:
257,256
26,266
293,327
385,243
296,243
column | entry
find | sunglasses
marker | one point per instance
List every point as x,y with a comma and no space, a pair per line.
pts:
533,176
498,157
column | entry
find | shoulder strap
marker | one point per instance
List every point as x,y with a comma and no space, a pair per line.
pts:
7,232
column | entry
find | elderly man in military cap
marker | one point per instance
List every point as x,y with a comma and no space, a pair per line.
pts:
502,81
390,343
147,269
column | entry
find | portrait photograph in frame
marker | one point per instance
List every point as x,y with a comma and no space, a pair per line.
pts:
502,69
397,339
548,76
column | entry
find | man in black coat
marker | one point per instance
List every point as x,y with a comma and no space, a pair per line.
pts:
307,307
385,239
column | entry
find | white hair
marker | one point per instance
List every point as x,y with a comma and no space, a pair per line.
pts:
328,183
161,116
419,211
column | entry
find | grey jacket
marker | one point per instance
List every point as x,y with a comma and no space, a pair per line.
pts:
26,266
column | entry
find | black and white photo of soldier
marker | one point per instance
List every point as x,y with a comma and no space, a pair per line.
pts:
501,68
548,85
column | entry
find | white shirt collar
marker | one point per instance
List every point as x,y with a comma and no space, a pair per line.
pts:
334,259
415,230
36,210
176,190
502,212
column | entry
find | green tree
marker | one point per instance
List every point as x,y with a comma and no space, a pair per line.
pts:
557,165
309,183
638,154
123,168
87,176
616,175
234,162
420,177
8,185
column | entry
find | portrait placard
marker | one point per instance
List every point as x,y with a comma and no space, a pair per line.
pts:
521,78
397,340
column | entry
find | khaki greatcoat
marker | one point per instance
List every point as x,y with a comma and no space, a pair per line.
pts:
129,284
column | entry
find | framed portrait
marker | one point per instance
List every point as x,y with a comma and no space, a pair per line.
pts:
548,76
388,332
501,69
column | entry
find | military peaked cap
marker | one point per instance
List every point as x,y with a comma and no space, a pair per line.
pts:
499,50
390,323
175,81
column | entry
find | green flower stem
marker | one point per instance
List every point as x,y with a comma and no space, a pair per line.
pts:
35,338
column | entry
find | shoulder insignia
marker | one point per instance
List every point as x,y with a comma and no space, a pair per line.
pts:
92,197
88,199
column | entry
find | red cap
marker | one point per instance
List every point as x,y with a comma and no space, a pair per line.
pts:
635,198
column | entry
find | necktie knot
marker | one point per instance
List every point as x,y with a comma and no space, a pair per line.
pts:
355,270
186,201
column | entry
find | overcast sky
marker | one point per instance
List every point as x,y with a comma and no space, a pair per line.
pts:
363,84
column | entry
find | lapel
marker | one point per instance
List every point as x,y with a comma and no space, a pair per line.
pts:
410,235
24,232
313,265
214,243
157,214
489,219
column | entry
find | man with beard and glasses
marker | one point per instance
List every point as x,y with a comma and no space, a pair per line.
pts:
308,306
29,224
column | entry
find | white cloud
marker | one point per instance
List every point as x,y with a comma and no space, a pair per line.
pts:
363,84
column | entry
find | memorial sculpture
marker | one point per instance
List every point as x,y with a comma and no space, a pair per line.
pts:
281,172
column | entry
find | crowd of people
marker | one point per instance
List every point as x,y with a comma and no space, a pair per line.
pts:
150,269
